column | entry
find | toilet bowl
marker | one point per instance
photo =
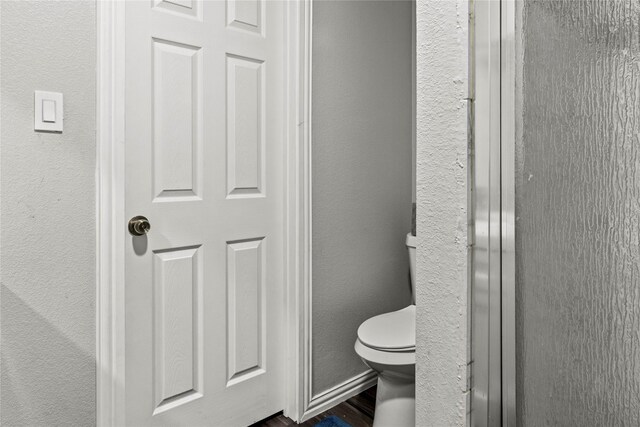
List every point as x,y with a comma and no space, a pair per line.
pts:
386,343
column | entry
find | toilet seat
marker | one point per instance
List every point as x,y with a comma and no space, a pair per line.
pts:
390,332
387,358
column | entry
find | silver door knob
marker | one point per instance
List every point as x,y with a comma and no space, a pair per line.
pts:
139,226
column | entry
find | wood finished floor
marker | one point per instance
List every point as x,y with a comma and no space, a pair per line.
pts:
357,411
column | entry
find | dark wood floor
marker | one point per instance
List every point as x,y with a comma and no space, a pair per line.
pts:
357,411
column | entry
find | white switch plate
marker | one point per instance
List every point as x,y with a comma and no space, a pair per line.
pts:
48,111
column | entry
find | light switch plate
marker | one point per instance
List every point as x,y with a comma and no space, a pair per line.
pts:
48,111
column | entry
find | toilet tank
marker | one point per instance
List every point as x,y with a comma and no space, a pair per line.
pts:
411,246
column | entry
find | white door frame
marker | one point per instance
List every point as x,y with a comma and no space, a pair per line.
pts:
110,213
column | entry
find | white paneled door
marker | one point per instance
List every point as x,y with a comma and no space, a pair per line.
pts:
204,164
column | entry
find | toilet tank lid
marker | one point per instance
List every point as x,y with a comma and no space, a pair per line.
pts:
412,240
393,331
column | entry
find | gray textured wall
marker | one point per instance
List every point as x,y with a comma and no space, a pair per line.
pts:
362,144
441,291
47,229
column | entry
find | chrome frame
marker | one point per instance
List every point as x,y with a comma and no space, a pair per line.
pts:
510,46
486,205
494,45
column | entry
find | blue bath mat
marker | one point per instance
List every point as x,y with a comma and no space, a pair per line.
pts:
332,421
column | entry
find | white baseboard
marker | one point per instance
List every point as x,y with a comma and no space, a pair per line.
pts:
338,394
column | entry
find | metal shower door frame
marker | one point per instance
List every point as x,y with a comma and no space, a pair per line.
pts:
510,48
492,208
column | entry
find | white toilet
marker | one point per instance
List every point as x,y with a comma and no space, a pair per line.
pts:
387,344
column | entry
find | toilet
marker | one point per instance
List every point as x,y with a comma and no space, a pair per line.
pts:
387,344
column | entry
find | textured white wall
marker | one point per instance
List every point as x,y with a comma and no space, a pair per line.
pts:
362,149
47,229
441,341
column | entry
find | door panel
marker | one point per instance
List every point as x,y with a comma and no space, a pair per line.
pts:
204,162
245,309
245,125
177,288
177,124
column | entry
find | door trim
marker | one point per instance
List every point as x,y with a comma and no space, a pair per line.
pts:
110,213
298,207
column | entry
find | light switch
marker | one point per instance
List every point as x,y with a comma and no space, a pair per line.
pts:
48,111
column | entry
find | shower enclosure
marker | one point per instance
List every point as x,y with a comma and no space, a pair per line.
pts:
556,213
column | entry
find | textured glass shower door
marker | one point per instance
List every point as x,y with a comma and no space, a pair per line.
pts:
577,207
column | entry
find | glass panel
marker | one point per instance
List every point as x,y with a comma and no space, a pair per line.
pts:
578,214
